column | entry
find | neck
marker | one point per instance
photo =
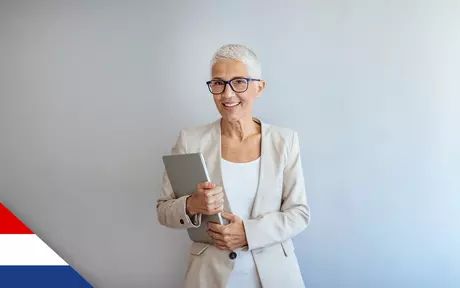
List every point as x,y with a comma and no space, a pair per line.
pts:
241,129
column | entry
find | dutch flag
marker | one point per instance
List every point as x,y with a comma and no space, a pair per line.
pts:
26,261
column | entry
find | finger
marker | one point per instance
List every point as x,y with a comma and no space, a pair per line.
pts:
220,247
229,216
210,202
206,185
220,206
217,210
213,198
214,207
200,185
216,203
215,236
217,191
217,228
209,185
221,243
201,190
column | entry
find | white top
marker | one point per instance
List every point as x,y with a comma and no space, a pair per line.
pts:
241,181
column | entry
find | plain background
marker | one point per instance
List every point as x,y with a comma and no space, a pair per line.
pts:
93,93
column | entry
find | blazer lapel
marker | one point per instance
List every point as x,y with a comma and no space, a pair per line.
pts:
264,153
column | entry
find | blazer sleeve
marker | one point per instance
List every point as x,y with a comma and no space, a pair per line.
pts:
294,215
171,211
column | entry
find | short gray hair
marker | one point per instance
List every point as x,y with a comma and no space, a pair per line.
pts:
241,53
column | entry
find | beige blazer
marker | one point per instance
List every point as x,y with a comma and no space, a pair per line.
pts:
279,212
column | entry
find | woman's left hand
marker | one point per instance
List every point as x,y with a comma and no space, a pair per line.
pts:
230,236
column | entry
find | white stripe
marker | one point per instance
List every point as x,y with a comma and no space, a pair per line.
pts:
27,249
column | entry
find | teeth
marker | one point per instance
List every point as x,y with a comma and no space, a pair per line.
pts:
231,105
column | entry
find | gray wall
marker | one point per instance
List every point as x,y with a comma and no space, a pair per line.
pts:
94,93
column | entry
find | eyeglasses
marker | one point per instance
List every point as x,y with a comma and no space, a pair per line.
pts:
238,85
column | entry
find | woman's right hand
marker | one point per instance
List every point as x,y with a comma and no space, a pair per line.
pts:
208,199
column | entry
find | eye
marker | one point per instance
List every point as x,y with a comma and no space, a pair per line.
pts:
239,81
217,82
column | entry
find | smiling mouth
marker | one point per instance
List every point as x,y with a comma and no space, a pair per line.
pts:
231,105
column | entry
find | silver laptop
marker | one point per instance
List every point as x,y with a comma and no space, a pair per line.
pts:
185,171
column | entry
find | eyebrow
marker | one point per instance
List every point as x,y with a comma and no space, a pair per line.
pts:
220,78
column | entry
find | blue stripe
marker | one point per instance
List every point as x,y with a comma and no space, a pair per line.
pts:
41,276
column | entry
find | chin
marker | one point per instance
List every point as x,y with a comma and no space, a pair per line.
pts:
232,117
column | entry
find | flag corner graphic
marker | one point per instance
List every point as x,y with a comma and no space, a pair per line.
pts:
27,261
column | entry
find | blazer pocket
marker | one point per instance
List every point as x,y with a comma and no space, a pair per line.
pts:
288,248
198,248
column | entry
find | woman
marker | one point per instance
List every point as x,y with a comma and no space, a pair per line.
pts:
258,185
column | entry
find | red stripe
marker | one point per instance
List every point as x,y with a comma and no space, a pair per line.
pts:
10,224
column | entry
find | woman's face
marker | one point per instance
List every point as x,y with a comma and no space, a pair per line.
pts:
234,106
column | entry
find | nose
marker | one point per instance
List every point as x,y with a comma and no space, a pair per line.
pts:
228,92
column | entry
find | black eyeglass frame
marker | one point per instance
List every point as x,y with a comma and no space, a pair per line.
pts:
229,82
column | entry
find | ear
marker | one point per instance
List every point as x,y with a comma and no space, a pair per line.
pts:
260,88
